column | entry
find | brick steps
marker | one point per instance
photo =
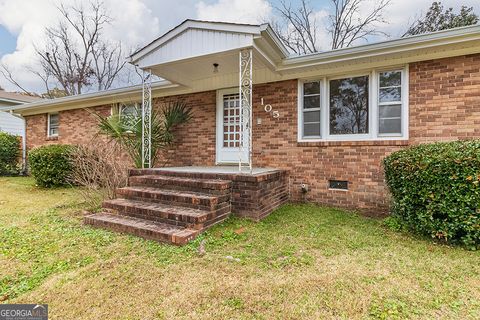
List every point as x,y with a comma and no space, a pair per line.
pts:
166,208
175,215
210,186
143,228
189,199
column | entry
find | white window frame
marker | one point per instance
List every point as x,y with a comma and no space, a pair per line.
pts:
49,127
373,105
403,112
302,111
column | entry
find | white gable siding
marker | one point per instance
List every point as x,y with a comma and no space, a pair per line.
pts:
11,124
194,43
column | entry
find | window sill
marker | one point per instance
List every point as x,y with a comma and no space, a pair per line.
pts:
52,138
337,143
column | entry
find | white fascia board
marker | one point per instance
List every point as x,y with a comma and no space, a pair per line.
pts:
72,102
276,43
12,101
444,37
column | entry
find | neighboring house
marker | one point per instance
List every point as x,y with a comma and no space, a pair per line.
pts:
10,123
326,119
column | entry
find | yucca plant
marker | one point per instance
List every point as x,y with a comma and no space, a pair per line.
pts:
126,130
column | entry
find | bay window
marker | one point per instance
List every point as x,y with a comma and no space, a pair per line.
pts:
369,106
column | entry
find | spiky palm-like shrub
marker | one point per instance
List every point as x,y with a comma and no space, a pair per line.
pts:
126,130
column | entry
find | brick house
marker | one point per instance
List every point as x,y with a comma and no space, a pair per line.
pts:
312,128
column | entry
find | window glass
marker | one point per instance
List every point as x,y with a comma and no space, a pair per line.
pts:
311,88
390,94
311,102
349,105
311,129
390,126
390,103
53,124
311,109
311,116
390,79
129,110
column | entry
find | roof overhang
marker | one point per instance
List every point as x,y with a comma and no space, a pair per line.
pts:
187,53
107,97
230,35
189,69
441,44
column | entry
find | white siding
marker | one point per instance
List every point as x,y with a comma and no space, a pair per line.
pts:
11,124
196,42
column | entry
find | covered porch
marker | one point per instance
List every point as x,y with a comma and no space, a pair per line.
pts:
226,58
174,204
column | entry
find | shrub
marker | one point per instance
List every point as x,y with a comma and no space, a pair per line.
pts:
99,169
9,153
51,165
435,189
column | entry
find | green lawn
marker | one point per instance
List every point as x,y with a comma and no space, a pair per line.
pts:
303,261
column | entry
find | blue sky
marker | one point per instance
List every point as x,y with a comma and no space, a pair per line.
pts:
7,41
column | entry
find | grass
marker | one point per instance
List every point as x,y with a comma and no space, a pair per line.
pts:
303,261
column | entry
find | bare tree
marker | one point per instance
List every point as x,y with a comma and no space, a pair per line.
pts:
76,56
298,28
7,74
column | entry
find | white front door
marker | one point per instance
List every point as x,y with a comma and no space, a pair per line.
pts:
228,128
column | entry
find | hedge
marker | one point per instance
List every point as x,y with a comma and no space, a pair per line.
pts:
51,165
9,154
435,190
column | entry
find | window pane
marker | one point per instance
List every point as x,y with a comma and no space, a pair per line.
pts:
53,120
311,102
390,94
311,129
311,116
390,79
390,111
311,88
349,105
129,110
390,126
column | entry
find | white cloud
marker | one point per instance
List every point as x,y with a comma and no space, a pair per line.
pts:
240,11
137,22
401,13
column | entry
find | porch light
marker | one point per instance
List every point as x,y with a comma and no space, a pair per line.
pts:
215,67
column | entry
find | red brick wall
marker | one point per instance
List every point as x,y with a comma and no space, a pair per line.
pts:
195,140
445,99
444,105
76,126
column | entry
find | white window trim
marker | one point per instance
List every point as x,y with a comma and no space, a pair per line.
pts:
48,124
373,134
